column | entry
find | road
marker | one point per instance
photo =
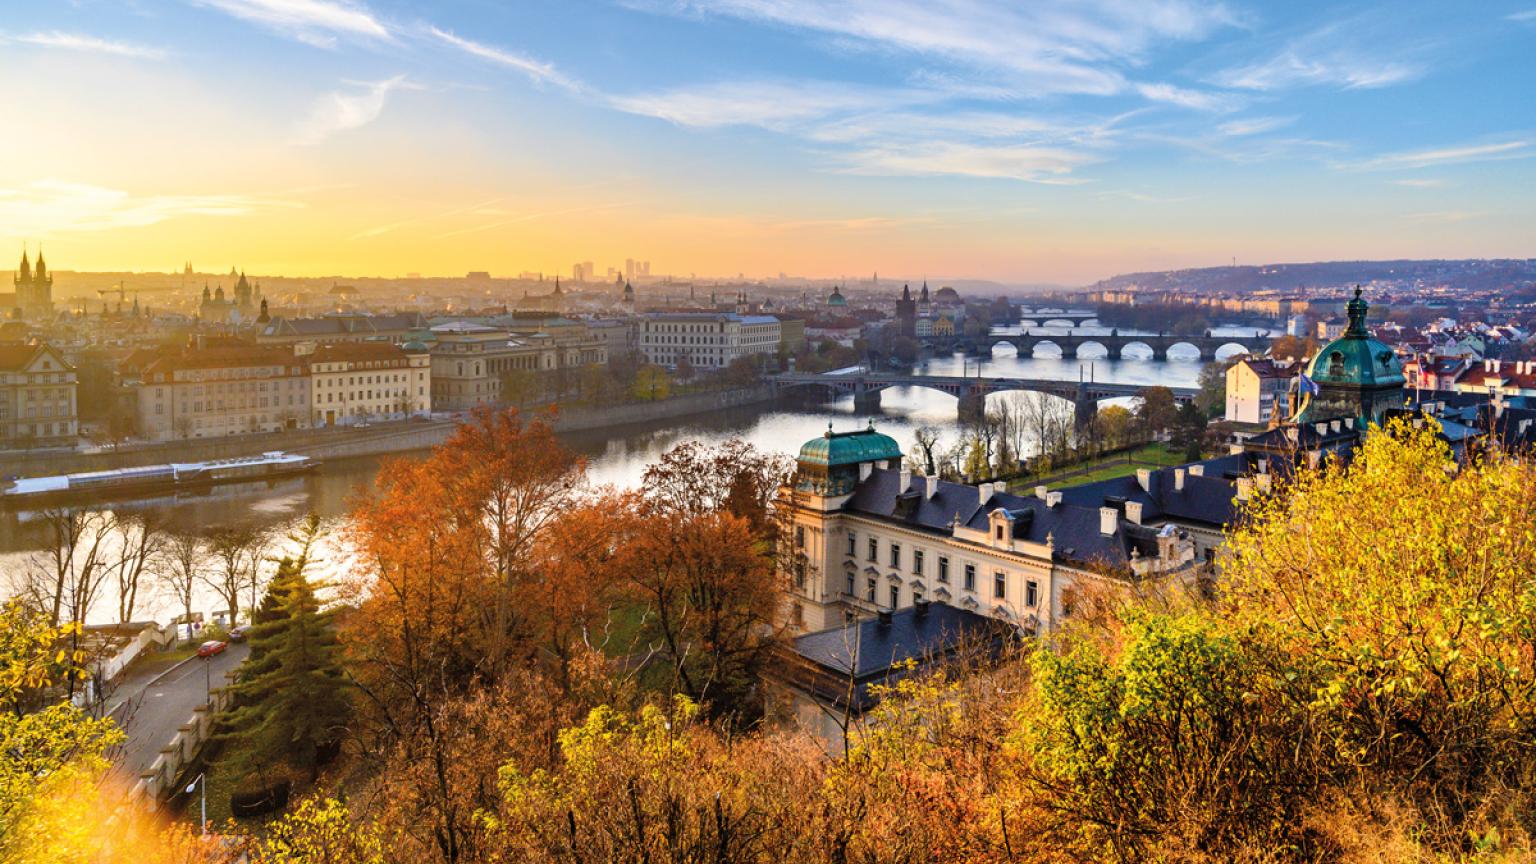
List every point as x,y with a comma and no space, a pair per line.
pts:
151,711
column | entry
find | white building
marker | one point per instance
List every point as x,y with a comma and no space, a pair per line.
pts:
1256,391
356,382
868,536
708,340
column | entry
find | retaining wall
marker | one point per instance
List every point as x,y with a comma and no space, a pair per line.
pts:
379,438
165,774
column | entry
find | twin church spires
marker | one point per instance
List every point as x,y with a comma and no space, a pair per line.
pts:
34,287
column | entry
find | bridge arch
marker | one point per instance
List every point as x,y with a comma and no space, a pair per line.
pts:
1188,345
1230,349
1014,349
1067,323
1035,345
1107,350
1144,350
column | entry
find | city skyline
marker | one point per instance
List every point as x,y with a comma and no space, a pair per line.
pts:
1057,143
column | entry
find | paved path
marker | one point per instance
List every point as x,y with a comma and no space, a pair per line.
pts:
151,711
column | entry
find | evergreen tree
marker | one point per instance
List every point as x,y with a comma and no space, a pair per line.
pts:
290,700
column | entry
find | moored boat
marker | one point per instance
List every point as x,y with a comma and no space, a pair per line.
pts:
148,480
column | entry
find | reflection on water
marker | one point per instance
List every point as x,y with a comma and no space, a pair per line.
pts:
619,456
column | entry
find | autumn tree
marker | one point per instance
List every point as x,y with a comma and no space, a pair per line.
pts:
1212,398
925,450
1156,409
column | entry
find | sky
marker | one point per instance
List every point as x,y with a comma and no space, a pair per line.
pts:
1024,141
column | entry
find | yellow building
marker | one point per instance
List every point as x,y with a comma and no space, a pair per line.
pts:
37,398
357,382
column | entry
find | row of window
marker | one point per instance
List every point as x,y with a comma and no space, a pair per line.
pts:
894,559
353,380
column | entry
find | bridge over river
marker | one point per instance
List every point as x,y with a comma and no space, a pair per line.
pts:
1115,343
971,391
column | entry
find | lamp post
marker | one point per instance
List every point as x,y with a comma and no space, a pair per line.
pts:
208,677
203,779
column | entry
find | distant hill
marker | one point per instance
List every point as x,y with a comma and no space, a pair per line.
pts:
1470,274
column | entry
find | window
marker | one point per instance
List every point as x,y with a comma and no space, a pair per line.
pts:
895,596
849,592
999,585
970,577
917,561
998,531
799,614
800,573
874,549
944,569
799,536
869,590
1031,593
853,540
896,555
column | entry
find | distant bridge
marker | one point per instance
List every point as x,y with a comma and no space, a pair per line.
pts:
1114,343
1046,316
972,392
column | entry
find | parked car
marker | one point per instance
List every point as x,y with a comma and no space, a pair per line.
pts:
238,634
210,648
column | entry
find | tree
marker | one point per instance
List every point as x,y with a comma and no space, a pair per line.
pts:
1189,430
743,372
1156,409
651,384
519,386
179,570
1293,348
905,350
684,368
319,831
1411,598
695,479
139,543
291,697
1212,398
231,548
1116,426
925,448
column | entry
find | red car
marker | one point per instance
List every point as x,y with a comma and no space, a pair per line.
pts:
210,648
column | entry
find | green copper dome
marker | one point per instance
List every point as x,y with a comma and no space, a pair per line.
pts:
849,448
837,298
1355,358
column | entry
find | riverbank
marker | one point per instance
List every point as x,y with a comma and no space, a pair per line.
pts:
374,440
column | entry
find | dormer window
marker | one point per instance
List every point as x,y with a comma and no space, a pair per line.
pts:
997,531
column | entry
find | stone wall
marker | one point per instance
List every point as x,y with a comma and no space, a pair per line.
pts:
377,439
167,773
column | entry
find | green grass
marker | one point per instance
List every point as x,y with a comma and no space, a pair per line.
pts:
1104,468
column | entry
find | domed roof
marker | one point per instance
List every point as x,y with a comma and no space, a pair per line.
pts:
849,448
1355,359
415,346
837,298
946,295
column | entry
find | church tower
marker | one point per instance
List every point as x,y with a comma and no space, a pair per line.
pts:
34,288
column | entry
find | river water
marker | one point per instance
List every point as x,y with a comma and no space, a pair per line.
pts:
619,456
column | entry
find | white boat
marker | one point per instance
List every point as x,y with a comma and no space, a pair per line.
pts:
154,479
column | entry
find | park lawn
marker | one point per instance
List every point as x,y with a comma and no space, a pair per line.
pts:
1107,468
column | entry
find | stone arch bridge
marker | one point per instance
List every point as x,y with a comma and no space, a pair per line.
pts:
971,392
1114,343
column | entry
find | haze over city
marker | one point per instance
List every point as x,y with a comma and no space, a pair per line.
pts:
1046,142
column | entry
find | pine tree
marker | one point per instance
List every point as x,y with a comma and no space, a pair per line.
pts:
290,699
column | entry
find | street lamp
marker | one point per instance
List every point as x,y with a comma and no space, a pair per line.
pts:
203,779
208,677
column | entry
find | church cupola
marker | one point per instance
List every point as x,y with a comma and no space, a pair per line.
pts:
836,462
1354,376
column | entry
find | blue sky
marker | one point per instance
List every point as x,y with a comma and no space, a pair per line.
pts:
1022,141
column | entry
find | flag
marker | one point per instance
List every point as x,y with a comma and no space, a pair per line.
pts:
1308,386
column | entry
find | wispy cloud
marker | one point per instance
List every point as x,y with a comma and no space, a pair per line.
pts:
535,69
55,206
1420,183
1446,156
1335,56
1253,126
939,158
1199,100
1527,15
86,43
1043,48
317,22
380,230
341,110
769,104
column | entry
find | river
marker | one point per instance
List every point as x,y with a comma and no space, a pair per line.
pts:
619,456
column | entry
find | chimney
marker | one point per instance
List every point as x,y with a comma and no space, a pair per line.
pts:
905,481
1178,479
1133,512
1334,425
865,469
884,617
1263,466
921,605
1052,499
1108,520
1144,479
933,487
1321,427
882,464
1040,492
1349,423
985,490
1262,483
1244,488
1197,470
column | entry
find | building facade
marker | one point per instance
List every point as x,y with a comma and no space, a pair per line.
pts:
866,535
37,398
474,364
706,340
33,296
1257,391
230,390
361,382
